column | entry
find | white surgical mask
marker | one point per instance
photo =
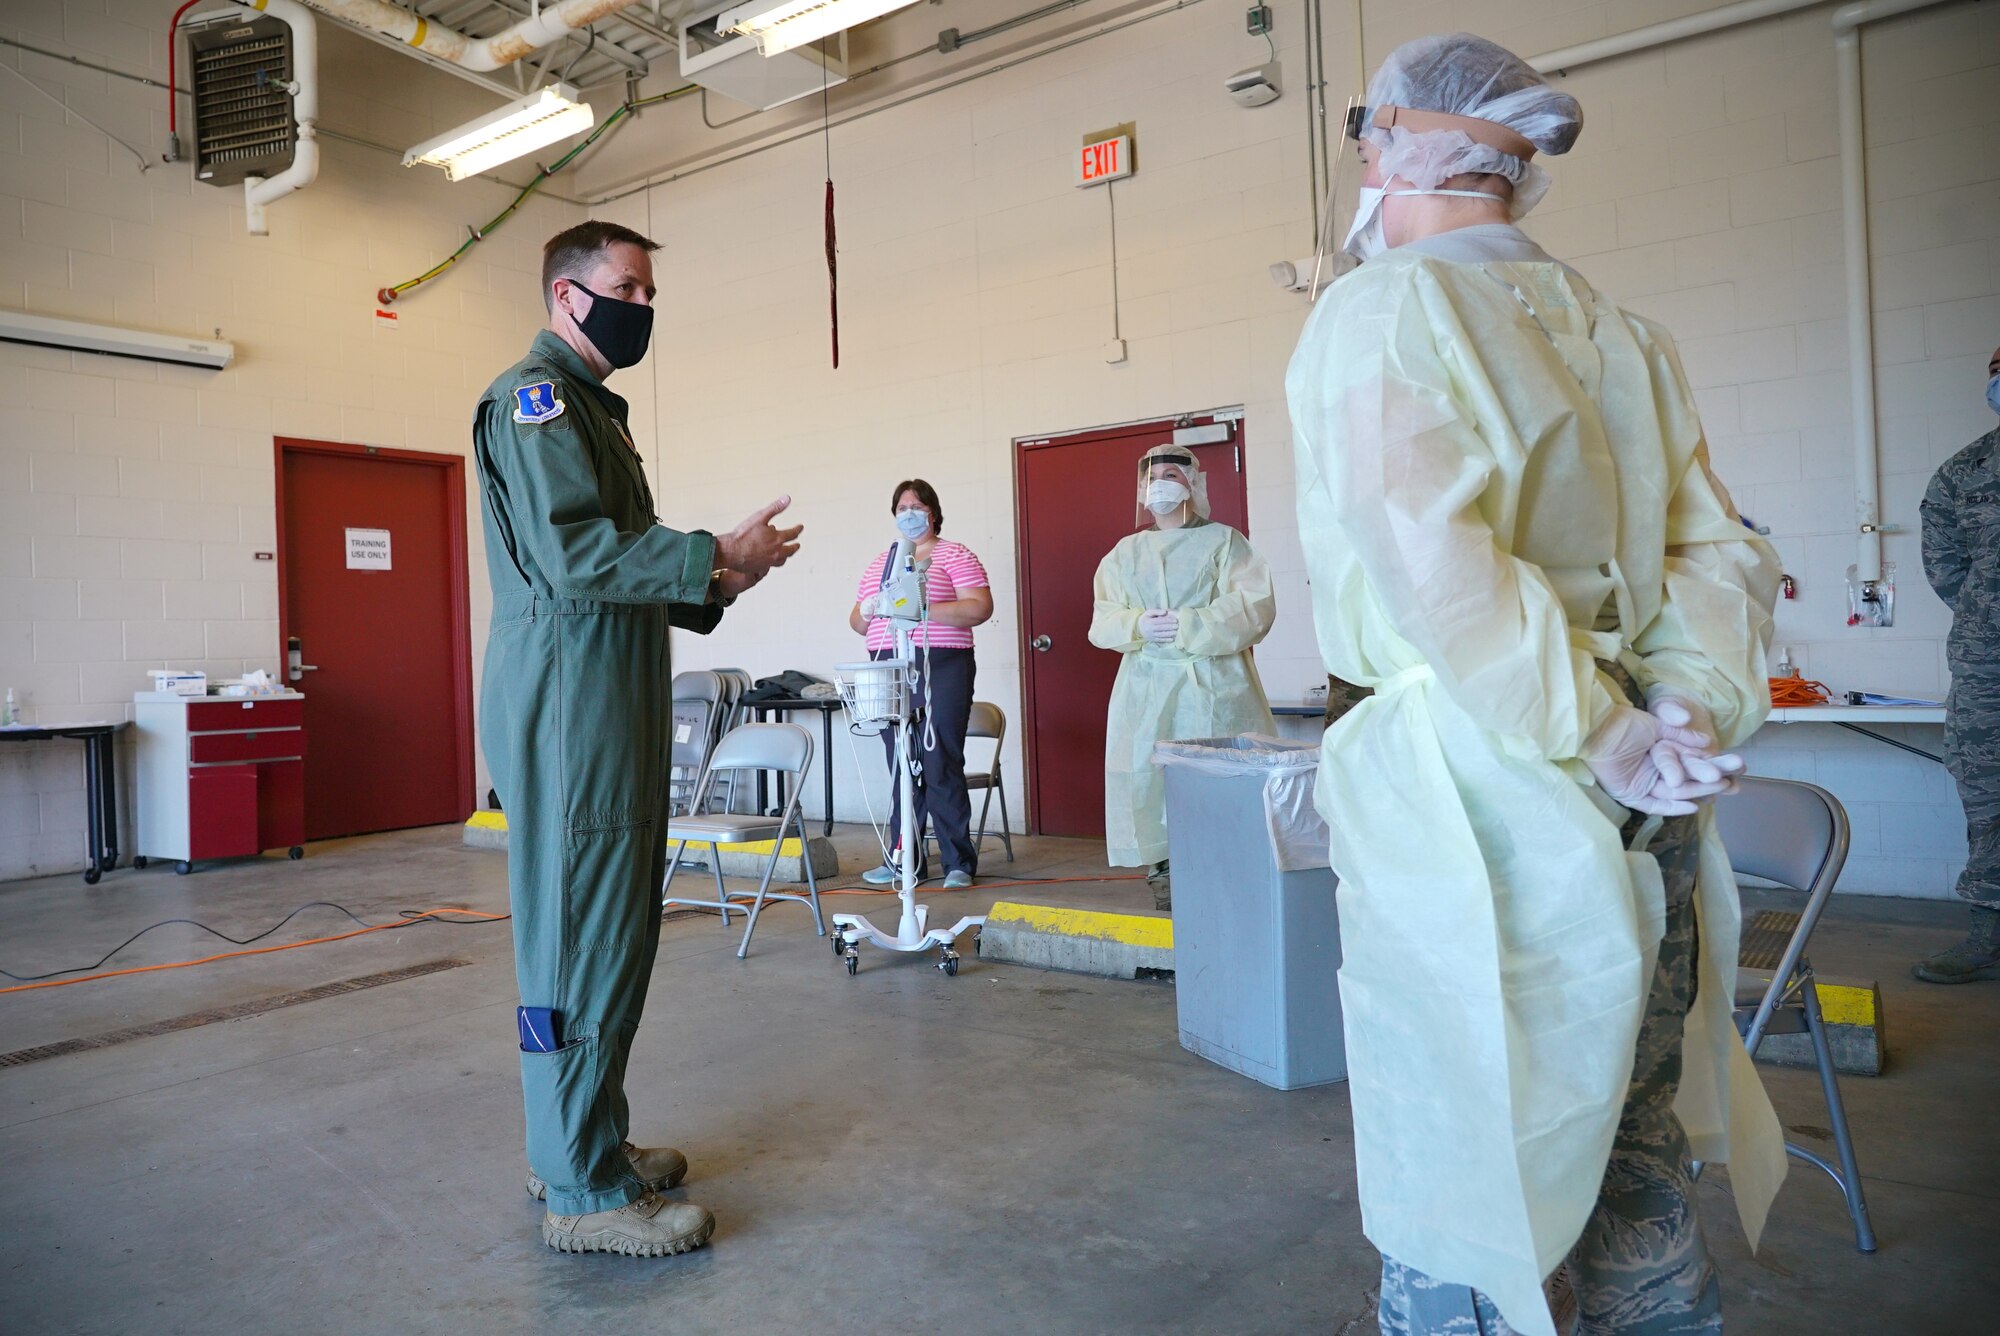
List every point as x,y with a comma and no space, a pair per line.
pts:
1993,393
1164,495
1364,236
913,523
1365,239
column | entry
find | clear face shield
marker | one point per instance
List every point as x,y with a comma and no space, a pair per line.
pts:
1169,478
1471,146
1329,263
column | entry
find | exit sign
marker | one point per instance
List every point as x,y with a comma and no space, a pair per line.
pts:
1105,161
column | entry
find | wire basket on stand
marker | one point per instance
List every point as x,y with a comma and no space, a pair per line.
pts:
876,693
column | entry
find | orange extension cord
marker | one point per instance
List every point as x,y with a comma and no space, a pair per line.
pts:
429,915
1793,691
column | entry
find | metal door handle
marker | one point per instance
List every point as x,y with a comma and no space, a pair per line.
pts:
294,652
1042,644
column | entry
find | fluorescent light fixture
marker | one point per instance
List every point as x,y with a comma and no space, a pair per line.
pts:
87,336
520,127
780,25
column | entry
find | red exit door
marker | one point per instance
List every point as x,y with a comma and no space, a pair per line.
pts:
1075,501
372,596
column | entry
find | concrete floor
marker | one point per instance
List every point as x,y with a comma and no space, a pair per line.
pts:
1007,1151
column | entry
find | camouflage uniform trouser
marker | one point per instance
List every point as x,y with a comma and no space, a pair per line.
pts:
1640,1268
1972,752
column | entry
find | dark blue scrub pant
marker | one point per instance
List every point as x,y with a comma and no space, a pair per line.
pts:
940,787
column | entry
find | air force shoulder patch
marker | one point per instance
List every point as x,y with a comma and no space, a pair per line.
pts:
537,403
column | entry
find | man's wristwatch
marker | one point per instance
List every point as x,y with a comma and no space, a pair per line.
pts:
715,594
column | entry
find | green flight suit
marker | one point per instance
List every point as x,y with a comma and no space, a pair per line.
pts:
575,713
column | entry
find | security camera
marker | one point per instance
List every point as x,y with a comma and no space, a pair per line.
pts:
1255,86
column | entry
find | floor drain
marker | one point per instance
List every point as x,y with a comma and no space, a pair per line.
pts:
195,1019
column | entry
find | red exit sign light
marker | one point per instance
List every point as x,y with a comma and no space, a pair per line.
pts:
1105,161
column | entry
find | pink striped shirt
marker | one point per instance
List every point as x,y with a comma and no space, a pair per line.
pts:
954,573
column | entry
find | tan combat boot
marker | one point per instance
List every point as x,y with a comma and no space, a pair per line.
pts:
659,1167
649,1226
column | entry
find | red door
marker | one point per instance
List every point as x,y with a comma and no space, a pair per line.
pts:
1075,500
372,594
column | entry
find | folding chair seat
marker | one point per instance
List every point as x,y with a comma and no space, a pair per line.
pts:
785,749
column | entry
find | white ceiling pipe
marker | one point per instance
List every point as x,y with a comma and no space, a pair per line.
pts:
1847,24
483,54
1659,34
259,191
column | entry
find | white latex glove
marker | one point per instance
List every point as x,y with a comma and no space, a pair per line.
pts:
1619,755
1159,626
871,607
1689,764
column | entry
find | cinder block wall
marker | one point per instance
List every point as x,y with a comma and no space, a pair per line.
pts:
1706,193
133,496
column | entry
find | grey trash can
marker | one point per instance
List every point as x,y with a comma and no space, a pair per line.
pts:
1256,933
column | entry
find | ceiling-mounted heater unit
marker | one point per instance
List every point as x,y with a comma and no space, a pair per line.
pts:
241,80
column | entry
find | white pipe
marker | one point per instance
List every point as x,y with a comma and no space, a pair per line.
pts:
259,191
1847,22
483,54
1860,306
1659,34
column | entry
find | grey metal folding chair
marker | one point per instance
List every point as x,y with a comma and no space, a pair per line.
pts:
697,697
988,721
735,685
786,749
740,684
1796,835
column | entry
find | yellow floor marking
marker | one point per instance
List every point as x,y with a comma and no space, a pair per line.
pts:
1129,929
1842,1004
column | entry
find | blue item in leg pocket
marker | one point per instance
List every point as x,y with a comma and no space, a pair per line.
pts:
540,1028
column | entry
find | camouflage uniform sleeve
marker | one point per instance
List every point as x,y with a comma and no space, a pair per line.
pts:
555,497
1945,556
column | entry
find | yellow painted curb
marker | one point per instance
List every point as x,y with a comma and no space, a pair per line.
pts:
1842,1004
498,821
1129,929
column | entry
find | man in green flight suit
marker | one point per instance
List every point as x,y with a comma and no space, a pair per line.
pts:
575,712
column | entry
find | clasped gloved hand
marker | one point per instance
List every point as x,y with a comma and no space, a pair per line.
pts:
1160,626
1619,755
1690,765
871,607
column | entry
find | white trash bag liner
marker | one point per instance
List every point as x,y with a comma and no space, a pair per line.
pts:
1289,770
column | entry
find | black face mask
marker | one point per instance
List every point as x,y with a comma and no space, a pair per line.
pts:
618,330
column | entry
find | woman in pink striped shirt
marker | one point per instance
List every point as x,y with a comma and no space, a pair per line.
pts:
959,600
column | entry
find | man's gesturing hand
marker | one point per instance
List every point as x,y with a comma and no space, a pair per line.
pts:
755,546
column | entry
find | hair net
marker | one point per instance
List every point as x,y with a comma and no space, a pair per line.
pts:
1183,462
1464,75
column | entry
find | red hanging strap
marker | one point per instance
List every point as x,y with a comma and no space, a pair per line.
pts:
832,276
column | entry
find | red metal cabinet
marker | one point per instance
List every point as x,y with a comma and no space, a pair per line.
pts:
219,777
